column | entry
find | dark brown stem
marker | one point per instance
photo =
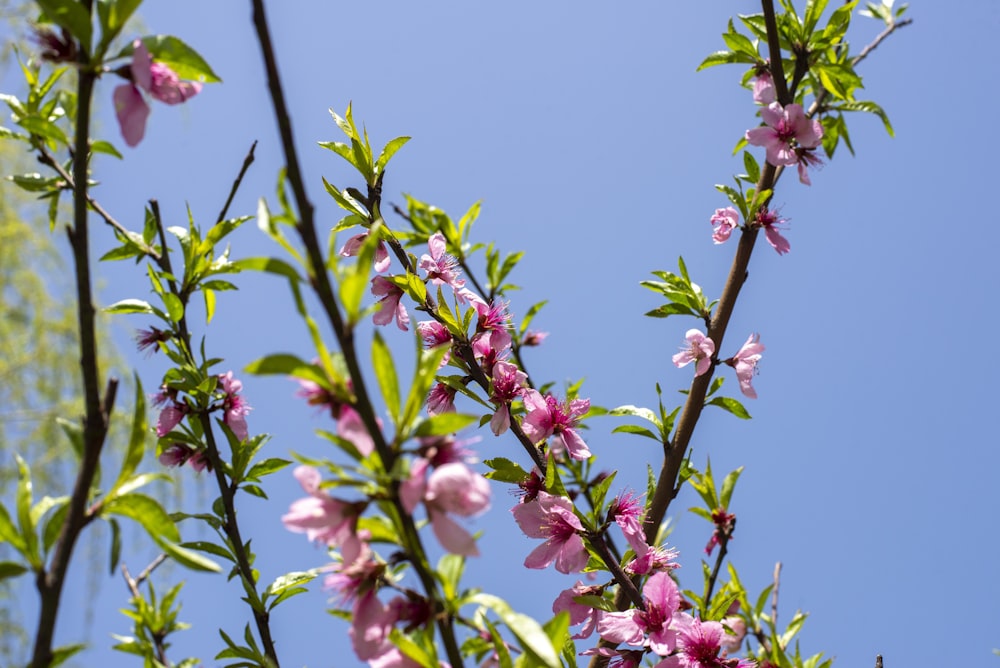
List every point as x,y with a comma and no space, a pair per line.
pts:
324,290
247,161
724,537
97,411
774,51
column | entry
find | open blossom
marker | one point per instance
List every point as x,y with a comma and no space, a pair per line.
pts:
435,334
441,268
654,559
508,384
724,221
787,127
552,518
441,399
178,454
148,340
698,646
700,348
455,488
745,363
320,516
353,246
769,221
235,406
547,417
651,627
351,427
156,79
389,305
173,411
492,328
578,612
627,511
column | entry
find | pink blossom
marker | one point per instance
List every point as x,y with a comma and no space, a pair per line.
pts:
454,488
724,525
357,573
148,340
627,512
172,413
551,517
371,622
763,87
492,328
547,417
579,612
175,454
745,363
441,268
807,158
508,384
199,461
698,645
435,334
650,627
724,221
652,560
156,79
732,642
389,305
700,348
351,427
533,338
441,399
235,406
786,128
769,221
317,395
353,246
319,515
617,658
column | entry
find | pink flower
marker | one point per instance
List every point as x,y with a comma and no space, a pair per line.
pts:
578,612
371,622
156,79
807,158
724,525
732,642
148,340
441,399
435,334
786,128
653,560
172,413
441,268
745,363
547,417
175,454
533,338
763,87
769,220
724,221
508,384
650,627
235,406
492,328
698,645
199,461
319,515
389,304
351,427
700,348
551,517
628,512
454,488
353,246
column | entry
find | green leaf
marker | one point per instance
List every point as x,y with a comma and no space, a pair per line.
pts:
270,265
71,15
385,373
101,146
871,108
188,558
389,151
635,429
534,641
731,405
24,502
266,467
443,424
720,58
137,439
728,485
449,572
113,14
750,164
11,569
286,364
504,470
43,127
427,366
147,512
116,546
129,306
180,57
9,532
636,411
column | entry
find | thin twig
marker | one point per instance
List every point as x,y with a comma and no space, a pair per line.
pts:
247,161
46,158
724,537
774,594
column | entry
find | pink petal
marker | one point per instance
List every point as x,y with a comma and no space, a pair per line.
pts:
452,536
132,112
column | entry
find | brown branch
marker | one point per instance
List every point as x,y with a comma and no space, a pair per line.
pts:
97,410
133,585
774,594
247,161
774,51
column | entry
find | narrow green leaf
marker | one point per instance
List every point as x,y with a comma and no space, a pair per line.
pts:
137,439
731,405
189,558
389,151
11,569
534,641
147,512
428,364
443,424
385,373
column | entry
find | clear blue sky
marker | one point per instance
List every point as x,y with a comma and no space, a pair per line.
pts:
871,462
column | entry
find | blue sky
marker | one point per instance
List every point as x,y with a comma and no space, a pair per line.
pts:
594,145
